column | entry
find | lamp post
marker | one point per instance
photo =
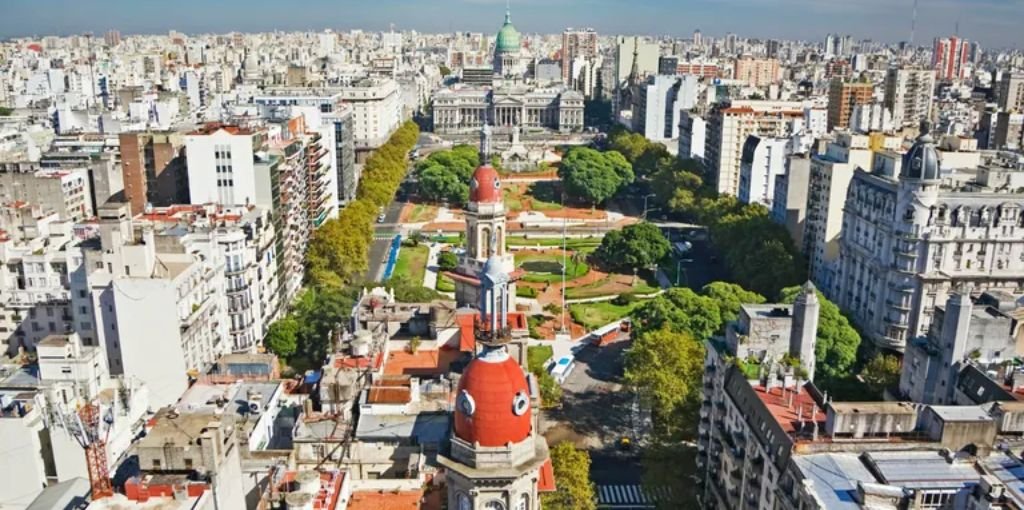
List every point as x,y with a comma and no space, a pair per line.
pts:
644,215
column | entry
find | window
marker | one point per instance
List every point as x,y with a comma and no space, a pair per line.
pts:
156,463
188,463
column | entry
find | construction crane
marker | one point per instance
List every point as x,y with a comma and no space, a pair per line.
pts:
90,426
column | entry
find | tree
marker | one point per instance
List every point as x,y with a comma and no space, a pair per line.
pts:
730,297
680,310
634,247
5,112
282,337
550,390
592,176
631,145
836,350
445,71
881,373
439,184
447,261
665,368
574,490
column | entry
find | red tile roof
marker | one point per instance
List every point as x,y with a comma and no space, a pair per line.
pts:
787,414
382,500
389,395
349,362
546,483
426,363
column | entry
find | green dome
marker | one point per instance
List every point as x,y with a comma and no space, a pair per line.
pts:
508,37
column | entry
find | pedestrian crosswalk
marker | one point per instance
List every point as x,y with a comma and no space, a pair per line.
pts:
630,496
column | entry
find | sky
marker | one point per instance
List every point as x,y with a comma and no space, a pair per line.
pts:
995,23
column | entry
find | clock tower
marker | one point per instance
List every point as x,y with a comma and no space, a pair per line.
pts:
495,460
485,229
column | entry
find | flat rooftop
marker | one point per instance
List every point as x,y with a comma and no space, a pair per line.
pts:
873,408
835,477
423,428
921,470
961,413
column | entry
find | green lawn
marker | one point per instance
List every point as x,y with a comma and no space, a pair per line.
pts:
445,284
595,315
537,356
545,196
554,242
412,263
595,289
547,268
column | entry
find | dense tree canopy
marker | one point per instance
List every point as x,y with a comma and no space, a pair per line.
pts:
592,176
665,368
680,310
574,490
881,373
729,298
305,332
338,250
444,175
637,246
836,350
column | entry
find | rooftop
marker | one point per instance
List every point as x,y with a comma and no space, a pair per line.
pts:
920,470
422,363
791,409
423,428
835,477
381,500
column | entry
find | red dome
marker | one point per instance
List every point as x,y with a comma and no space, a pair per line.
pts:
492,404
485,187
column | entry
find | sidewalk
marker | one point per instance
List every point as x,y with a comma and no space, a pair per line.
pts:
430,275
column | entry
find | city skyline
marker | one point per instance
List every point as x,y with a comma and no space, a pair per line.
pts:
991,22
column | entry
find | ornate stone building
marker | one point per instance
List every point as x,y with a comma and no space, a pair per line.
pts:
466,110
496,459
911,236
485,230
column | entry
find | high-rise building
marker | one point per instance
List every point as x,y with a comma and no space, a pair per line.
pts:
577,44
829,180
153,165
911,236
698,39
908,95
658,103
762,161
1010,92
789,207
949,58
112,38
842,97
668,65
756,72
728,128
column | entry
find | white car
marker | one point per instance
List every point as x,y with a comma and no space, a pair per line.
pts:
380,218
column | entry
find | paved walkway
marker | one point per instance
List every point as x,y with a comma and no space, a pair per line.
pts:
430,275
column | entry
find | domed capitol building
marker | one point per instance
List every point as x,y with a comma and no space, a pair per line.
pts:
511,101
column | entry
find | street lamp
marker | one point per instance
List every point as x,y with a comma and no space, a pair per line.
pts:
644,215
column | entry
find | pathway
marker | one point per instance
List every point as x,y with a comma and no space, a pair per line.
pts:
430,275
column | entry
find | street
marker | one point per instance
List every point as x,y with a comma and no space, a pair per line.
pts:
383,233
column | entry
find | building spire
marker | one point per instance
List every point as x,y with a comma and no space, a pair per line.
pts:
508,12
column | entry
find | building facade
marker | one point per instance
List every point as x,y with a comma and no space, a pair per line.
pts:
467,110
908,95
910,237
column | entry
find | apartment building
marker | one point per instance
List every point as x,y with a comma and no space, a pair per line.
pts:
908,95
911,235
728,128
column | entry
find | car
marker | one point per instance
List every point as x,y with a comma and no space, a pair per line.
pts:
380,218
